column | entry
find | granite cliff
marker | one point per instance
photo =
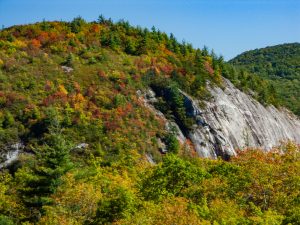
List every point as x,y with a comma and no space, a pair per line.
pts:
233,120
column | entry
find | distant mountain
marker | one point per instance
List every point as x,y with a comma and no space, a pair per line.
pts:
281,65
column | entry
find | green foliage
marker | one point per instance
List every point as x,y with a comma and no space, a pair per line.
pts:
70,60
120,204
280,66
77,24
5,220
170,178
172,143
52,162
103,177
8,120
172,103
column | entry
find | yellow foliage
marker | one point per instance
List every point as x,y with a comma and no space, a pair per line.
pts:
71,35
75,202
169,212
208,59
19,44
8,198
225,212
62,89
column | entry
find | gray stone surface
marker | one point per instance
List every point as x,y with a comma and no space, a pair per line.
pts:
233,120
10,154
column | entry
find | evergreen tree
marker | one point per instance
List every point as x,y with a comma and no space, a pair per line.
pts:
77,24
52,162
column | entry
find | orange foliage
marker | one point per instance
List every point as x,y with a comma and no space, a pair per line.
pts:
35,44
77,101
77,87
43,37
95,28
191,147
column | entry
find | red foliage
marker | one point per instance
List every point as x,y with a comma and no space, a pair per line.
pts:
140,64
13,98
182,71
53,37
136,77
111,125
96,113
257,155
43,38
123,111
208,68
30,33
166,69
57,97
153,62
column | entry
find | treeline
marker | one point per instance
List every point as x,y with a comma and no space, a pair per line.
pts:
190,68
280,66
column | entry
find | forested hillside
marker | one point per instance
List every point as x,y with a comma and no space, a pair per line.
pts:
69,99
279,64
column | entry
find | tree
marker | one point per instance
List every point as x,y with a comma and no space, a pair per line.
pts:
172,143
76,24
119,204
8,120
130,47
170,178
101,19
43,177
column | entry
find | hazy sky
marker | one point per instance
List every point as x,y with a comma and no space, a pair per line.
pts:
228,26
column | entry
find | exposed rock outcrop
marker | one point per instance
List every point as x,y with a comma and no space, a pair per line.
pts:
149,98
10,154
232,120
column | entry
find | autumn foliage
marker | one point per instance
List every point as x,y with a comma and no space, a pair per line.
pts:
73,94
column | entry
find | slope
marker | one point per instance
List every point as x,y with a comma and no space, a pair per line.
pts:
72,111
279,64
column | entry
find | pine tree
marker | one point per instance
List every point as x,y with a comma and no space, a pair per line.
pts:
52,162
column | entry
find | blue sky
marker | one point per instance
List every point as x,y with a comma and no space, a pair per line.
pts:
228,26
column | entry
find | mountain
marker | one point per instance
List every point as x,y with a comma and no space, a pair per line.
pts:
280,65
104,123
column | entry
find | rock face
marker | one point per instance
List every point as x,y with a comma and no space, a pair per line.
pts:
148,99
10,154
233,120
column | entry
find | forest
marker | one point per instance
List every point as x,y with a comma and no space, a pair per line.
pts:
68,94
280,65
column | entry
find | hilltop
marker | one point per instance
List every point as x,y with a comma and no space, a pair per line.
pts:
280,65
90,115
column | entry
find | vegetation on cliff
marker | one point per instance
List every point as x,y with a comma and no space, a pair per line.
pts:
280,65
68,91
